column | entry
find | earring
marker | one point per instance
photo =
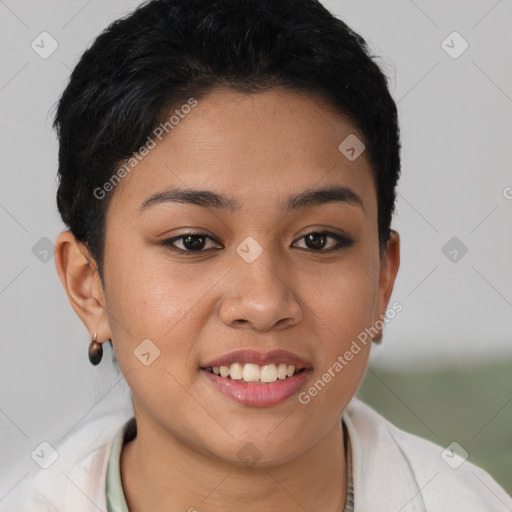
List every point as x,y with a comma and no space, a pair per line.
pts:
95,351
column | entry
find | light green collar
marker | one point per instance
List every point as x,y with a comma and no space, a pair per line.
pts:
116,501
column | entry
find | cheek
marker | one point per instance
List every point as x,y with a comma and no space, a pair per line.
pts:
146,290
154,314
343,308
345,297
345,313
148,299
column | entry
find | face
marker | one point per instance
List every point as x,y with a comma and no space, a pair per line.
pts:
256,278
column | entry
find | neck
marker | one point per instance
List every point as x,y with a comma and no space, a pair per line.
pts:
159,473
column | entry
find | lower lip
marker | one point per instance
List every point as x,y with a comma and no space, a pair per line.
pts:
258,395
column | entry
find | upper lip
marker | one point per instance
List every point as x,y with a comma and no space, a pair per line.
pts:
260,358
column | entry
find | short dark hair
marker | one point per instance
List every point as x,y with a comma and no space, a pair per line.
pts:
168,51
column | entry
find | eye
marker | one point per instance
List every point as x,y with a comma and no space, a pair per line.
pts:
318,241
190,242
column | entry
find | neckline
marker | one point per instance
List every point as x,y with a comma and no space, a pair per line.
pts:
116,500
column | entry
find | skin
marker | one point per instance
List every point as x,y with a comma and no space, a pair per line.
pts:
258,149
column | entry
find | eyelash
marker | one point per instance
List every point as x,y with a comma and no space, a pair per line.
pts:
342,242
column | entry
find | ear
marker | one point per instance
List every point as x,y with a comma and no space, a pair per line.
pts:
79,276
389,263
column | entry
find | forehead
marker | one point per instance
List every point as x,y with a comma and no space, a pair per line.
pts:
257,147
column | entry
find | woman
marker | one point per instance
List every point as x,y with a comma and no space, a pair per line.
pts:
227,176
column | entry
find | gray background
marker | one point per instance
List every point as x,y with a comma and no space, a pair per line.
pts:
456,122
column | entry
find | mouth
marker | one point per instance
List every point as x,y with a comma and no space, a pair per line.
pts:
256,379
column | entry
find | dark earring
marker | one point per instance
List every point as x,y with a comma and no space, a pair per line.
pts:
95,351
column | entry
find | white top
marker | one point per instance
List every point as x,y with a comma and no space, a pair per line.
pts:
391,471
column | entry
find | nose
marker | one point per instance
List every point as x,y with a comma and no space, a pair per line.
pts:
258,296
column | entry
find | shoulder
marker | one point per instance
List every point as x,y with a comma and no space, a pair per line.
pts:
77,476
415,474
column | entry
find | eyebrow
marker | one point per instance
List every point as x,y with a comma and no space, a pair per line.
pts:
210,199
315,197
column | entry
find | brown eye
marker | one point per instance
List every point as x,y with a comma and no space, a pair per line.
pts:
194,242
190,242
318,241
315,240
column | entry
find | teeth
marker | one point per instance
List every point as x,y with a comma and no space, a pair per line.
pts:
235,371
268,373
250,372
